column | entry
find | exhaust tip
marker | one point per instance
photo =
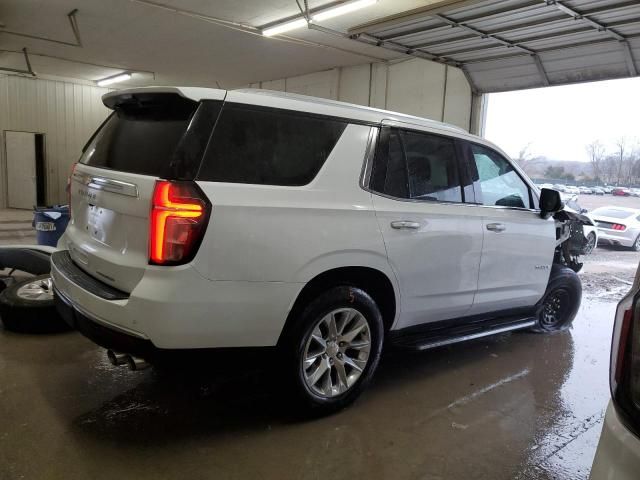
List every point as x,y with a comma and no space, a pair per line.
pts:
117,358
136,363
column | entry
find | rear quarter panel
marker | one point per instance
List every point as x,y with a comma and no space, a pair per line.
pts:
262,233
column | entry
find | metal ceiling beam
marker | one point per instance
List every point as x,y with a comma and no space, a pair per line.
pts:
502,41
73,22
28,71
550,49
369,39
484,34
628,58
520,26
547,36
600,27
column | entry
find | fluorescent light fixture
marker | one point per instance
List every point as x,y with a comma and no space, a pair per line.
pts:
121,77
300,22
285,27
342,9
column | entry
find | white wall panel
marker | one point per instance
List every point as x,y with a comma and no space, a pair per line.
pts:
354,84
457,99
378,96
319,84
278,85
414,86
66,113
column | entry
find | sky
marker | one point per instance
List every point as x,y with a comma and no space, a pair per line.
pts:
559,122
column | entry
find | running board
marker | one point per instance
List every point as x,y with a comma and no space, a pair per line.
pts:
426,341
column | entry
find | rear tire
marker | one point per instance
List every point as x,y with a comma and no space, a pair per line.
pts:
333,349
28,307
561,301
636,245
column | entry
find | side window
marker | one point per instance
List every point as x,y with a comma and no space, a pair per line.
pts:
498,183
416,166
268,146
432,167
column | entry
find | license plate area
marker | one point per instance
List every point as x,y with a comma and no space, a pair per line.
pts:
102,225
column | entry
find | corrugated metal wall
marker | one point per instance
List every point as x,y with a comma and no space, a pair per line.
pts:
66,113
417,87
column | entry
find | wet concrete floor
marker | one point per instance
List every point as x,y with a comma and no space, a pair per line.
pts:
520,405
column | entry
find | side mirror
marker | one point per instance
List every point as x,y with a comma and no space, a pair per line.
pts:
550,202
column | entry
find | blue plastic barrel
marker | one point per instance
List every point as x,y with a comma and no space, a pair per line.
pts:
50,223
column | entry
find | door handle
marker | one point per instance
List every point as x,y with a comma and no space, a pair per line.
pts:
404,224
496,227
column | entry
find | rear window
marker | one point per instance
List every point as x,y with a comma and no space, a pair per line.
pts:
268,146
142,134
612,212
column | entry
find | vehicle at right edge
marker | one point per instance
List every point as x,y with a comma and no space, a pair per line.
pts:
618,226
618,454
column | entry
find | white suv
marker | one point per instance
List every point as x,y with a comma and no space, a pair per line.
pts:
204,218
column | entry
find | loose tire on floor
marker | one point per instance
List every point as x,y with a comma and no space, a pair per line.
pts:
28,307
333,349
561,301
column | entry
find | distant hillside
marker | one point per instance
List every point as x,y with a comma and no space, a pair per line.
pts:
536,167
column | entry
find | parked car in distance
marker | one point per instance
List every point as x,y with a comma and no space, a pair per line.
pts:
635,192
607,189
208,219
571,189
585,190
598,190
618,226
545,185
560,188
620,192
618,453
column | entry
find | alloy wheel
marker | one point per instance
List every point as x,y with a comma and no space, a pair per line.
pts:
37,290
336,352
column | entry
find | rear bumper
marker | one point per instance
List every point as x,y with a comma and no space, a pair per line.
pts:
618,454
177,308
626,239
105,336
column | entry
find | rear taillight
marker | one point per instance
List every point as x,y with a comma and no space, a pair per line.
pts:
179,215
625,359
617,226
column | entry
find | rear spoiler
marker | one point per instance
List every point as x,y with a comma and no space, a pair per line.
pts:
113,99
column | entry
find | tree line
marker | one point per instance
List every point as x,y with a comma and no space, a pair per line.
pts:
617,164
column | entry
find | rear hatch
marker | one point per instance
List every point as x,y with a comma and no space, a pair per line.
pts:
151,134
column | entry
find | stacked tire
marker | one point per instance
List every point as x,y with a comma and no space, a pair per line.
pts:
28,307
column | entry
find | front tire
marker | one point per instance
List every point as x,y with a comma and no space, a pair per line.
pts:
561,301
591,243
334,348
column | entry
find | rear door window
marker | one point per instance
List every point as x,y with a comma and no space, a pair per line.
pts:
417,166
142,135
269,146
